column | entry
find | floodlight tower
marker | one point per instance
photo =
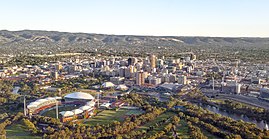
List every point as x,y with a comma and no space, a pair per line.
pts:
222,82
98,97
213,83
24,105
57,110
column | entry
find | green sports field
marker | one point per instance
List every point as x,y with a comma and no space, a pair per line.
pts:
109,116
18,131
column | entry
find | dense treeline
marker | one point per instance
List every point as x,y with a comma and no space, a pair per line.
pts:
29,125
231,106
8,121
245,130
195,132
6,95
240,108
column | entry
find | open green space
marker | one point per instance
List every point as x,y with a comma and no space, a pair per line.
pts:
109,116
209,135
52,112
18,131
183,130
135,112
161,117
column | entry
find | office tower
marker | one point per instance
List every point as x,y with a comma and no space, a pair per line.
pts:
59,66
54,75
132,61
193,57
160,62
129,71
153,61
155,81
140,78
182,79
122,71
237,88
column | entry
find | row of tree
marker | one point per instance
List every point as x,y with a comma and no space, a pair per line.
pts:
240,108
8,121
245,130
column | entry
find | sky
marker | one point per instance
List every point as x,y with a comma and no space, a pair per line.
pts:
215,18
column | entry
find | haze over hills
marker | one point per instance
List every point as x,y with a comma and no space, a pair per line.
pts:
39,41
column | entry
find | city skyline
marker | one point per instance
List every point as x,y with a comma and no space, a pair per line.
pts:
158,18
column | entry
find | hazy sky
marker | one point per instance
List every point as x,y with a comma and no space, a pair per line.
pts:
140,17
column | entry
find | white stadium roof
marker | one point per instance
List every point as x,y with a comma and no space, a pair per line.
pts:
84,108
108,84
67,113
122,87
77,111
79,95
41,101
33,105
90,103
50,98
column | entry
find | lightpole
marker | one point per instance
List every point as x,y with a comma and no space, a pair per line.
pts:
98,98
24,105
57,110
213,83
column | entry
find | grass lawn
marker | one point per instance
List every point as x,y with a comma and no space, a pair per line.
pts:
17,131
158,119
183,130
209,135
52,112
108,116
134,112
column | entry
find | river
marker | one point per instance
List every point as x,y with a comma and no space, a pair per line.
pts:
261,124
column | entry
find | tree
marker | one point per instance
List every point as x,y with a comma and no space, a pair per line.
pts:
30,126
175,120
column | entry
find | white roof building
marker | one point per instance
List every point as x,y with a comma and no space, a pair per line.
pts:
67,113
90,103
105,105
84,108
79,95
77,111
122,87
108,84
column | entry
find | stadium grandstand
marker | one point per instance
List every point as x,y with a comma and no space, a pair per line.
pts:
42,104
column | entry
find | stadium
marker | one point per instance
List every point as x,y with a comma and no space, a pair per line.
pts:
84,102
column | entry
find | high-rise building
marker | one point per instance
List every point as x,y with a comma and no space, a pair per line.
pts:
237,88
153,61
106,68
155,81
129,71
122,71
182,79
140,78
54,75
132,61
193,57
160,62
59,66
138,66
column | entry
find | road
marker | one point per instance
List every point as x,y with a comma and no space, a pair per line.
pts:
245,99
237,97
